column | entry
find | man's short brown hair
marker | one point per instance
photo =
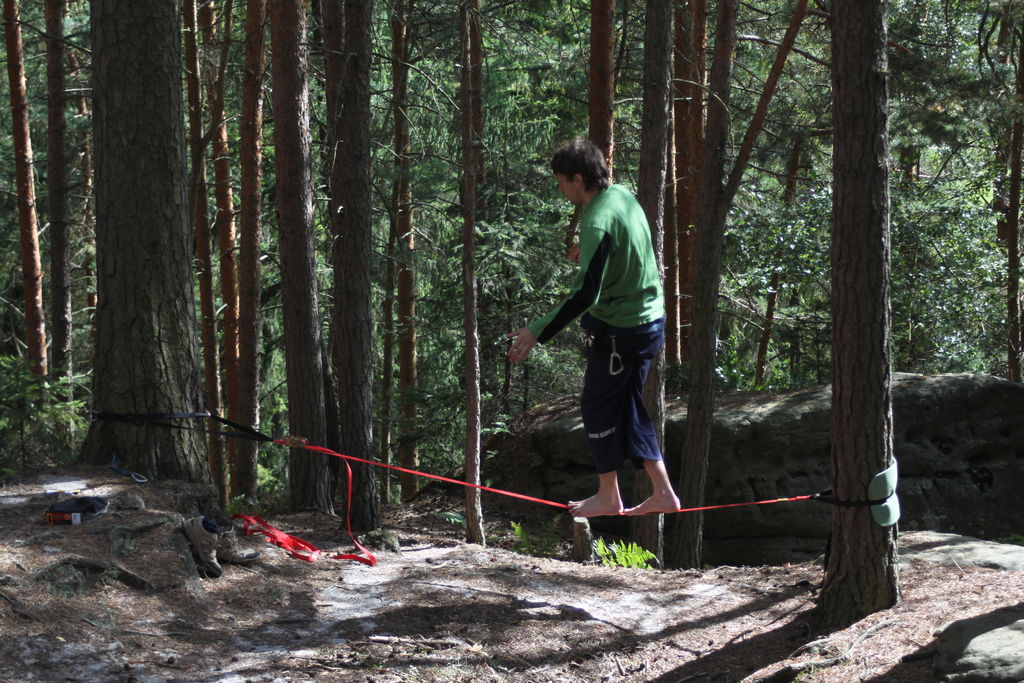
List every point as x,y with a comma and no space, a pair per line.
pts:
584,157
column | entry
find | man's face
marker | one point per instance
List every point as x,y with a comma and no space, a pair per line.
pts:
572,188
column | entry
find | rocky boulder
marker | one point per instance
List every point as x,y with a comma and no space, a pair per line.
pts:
958,438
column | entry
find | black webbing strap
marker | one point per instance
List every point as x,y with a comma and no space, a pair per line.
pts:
163,420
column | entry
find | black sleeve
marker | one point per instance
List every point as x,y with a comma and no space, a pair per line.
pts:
584,297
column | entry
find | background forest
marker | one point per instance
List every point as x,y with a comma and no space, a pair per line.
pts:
957,93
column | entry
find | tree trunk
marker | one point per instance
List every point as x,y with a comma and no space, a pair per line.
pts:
772,297
1011,234
308,472
691,47
471,57
244,477
84,147
654,132
146,358
347,57
602,77
199,210
861,570
60,270
213,75
716,200
688,541
31,263
407,452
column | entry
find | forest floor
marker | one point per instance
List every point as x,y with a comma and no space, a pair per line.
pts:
118,598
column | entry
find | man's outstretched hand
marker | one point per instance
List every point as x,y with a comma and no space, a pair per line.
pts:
523,342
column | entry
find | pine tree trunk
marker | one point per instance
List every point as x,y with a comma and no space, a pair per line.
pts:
199,210
691,47
60,270
347,57
772,297
861,574
1011,235
407,451
213,77
308,472
687,546
147,356
470,100
602,77
654,131
31,262
244,478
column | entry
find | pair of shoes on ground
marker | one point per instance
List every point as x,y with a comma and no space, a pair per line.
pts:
212,545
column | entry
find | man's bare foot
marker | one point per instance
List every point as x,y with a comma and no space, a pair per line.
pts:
655,504
594,507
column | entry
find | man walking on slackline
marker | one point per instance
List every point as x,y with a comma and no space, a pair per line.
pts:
618,293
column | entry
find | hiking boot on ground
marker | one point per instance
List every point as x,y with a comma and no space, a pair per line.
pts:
203,533
230,551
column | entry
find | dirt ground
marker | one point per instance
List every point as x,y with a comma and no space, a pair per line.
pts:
118,598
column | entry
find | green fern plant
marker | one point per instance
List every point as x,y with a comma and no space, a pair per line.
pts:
618,554
544,544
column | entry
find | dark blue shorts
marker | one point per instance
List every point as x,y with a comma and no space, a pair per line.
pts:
615,419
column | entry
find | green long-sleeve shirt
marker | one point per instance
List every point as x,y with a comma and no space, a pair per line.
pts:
618,282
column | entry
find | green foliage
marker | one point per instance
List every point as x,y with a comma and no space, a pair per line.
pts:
544,544
624,554
38,425
452,518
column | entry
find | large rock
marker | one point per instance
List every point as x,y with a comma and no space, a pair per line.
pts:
959,440
983,649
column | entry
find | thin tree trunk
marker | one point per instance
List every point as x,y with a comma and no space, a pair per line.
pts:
60,272
31,262
308,472
716,200
199,210
213,75
87,222
471,57
691,48
654,160
1011,234
788,196
244,478
602,77
347,58
407,451
688,542
387,361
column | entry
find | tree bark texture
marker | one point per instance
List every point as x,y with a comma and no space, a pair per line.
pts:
470,100
31,261
687,537
199,211
146,357
244,476
654,138
602,77
861,570
408,454
308,472
214,51
57,185
347,59
1011,234
688,119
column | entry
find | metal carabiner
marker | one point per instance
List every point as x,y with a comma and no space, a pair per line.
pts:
615,365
